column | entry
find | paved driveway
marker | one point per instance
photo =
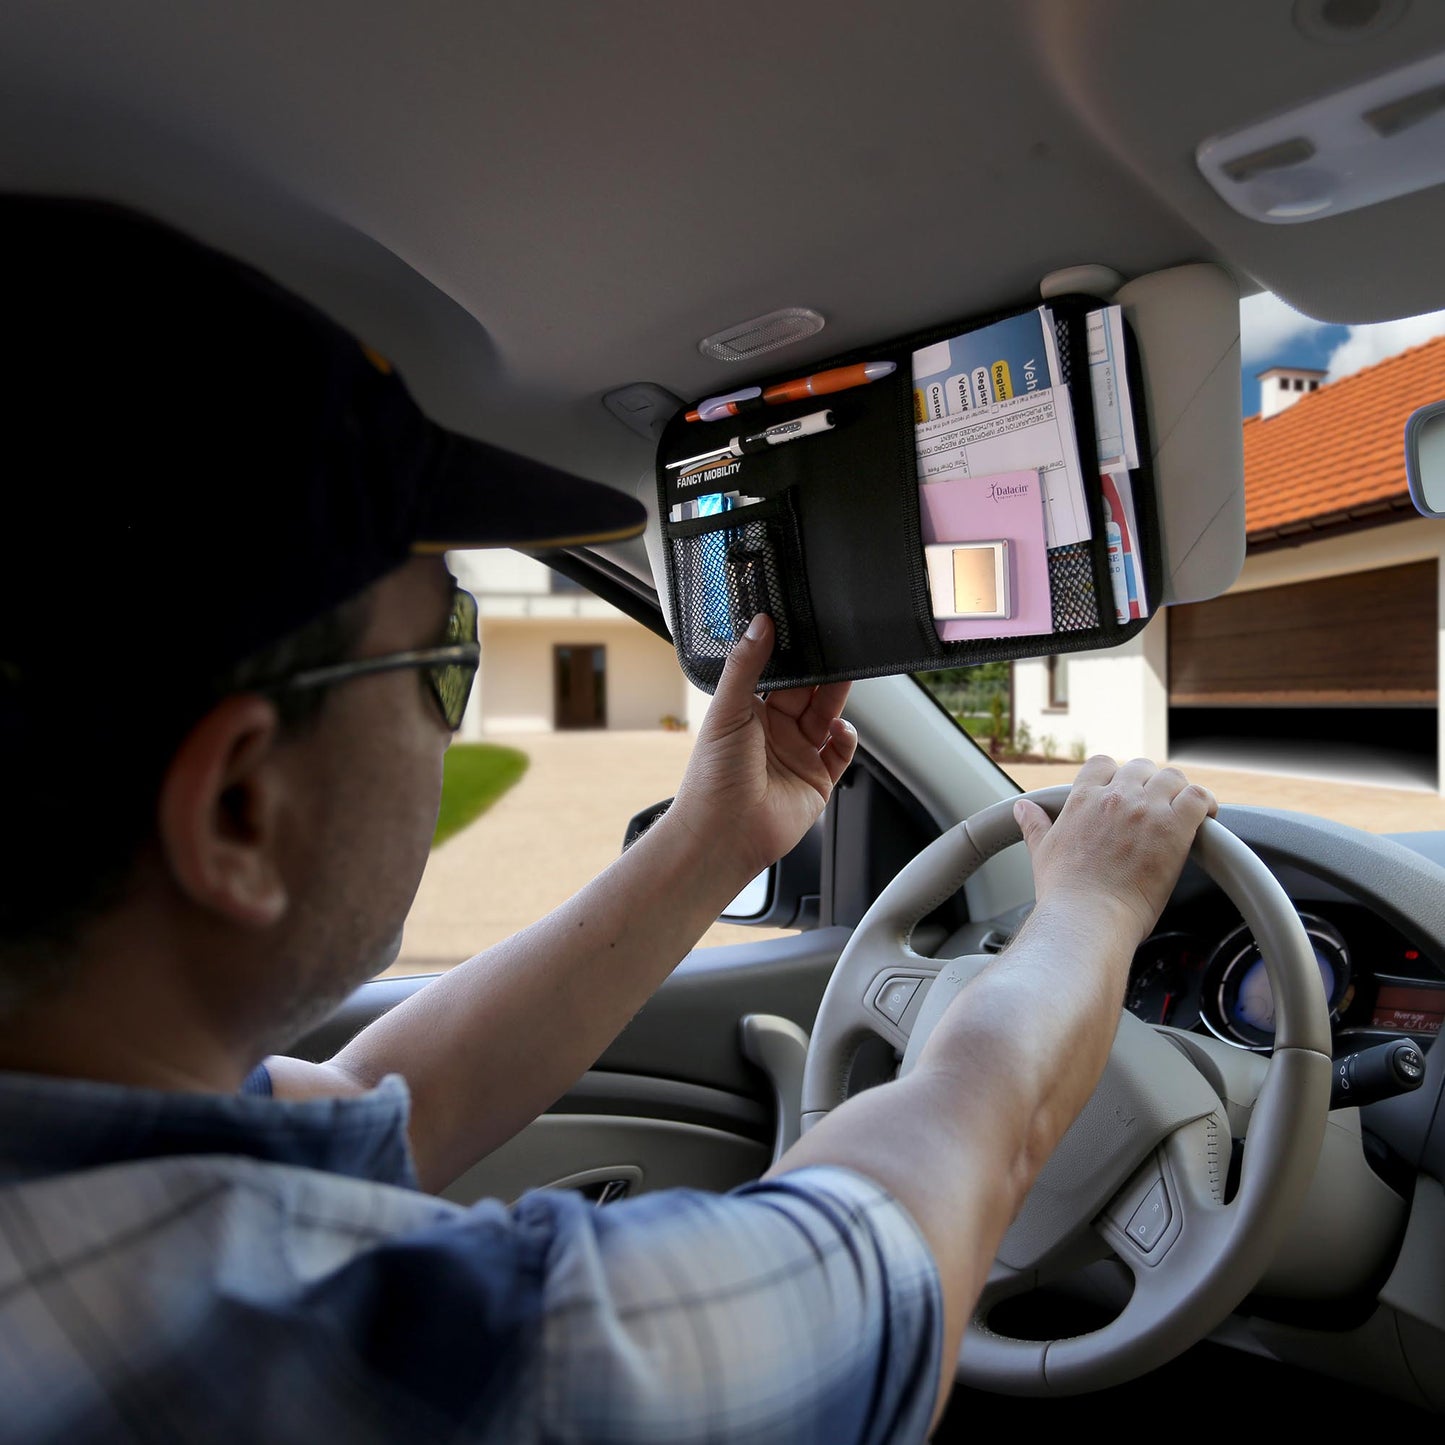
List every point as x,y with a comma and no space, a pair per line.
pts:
562,824
552,832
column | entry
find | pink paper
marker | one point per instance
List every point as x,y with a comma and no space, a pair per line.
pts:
1002,505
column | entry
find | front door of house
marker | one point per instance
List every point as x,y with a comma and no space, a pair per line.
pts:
579,688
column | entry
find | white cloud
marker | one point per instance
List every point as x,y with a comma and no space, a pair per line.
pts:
1269,329
1365,345
1267,326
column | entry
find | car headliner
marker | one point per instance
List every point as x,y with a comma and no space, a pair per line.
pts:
529,205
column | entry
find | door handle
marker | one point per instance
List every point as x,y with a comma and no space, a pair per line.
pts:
779,1048
602,1186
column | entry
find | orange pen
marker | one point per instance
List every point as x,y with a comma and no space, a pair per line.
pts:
840,378
820,383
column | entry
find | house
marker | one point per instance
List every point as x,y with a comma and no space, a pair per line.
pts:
556,657
1333,627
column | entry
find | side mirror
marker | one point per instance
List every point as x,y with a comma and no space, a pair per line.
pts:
1425,458
783,896
639,823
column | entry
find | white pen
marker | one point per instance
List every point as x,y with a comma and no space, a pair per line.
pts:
770,436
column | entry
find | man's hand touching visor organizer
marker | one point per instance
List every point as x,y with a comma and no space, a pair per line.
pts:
449,669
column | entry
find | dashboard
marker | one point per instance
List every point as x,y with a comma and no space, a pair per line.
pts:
1201,970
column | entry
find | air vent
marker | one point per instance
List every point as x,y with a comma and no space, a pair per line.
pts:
763,333
643,407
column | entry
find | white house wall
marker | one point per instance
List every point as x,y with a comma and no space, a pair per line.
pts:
524,614
1415,540
515,684
486,571
1118,700
1119,697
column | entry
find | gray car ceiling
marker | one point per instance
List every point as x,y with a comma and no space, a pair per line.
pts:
528,204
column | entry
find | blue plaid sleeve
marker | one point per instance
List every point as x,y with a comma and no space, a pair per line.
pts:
806,1308
218,1298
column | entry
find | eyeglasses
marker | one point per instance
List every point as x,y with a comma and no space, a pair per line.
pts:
450,670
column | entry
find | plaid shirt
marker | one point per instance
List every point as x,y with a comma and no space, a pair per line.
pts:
198,1268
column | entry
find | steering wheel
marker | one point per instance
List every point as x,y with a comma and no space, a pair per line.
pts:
1141,1175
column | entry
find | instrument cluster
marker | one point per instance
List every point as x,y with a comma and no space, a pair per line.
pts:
1379,985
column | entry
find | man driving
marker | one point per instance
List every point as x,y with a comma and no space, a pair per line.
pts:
223,580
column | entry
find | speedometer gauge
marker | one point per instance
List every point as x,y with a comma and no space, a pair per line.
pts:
1164,980
1238,1003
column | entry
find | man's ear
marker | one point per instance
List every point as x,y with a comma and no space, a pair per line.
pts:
221,805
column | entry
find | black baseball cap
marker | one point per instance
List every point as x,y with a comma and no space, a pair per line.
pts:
200,462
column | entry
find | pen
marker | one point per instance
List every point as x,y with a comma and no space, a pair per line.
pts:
759,441
820,383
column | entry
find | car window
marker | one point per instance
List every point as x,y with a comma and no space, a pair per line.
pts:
579,718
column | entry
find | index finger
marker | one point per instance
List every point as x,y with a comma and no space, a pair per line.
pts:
743,668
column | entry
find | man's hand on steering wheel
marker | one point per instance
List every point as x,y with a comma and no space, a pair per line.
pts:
1012,1169
1120,839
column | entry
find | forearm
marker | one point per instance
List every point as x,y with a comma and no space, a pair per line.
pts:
489,1045
961,1140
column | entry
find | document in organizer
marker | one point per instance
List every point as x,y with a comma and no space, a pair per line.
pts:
1032,432
1113,413
1009,358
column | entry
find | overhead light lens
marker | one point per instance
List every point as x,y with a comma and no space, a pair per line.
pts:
762,333
1271,158
1372,142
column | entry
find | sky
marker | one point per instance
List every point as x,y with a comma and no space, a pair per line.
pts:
1273,334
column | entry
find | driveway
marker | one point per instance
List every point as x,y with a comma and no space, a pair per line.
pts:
548,835
562,824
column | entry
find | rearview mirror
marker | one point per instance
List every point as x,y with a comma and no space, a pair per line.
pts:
1425,458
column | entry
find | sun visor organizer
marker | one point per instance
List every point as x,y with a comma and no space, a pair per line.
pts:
989,498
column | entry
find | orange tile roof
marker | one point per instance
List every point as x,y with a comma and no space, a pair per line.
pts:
1337,454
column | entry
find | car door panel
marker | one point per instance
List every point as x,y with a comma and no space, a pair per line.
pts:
673,1100
587,1151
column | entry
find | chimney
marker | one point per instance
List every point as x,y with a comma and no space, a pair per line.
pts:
1282,386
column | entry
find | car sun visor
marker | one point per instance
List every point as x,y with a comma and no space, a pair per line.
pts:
980,491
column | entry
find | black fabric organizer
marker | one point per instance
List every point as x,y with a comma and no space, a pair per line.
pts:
834,552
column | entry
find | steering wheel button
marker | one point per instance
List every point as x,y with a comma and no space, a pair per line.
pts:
895,996
1147,1224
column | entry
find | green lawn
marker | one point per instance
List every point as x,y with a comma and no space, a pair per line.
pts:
474,776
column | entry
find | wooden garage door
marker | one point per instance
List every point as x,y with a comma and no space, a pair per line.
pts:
1366,638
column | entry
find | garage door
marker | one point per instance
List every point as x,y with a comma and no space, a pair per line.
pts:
1365,638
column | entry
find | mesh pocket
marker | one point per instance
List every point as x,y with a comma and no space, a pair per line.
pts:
724,575
1071,588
